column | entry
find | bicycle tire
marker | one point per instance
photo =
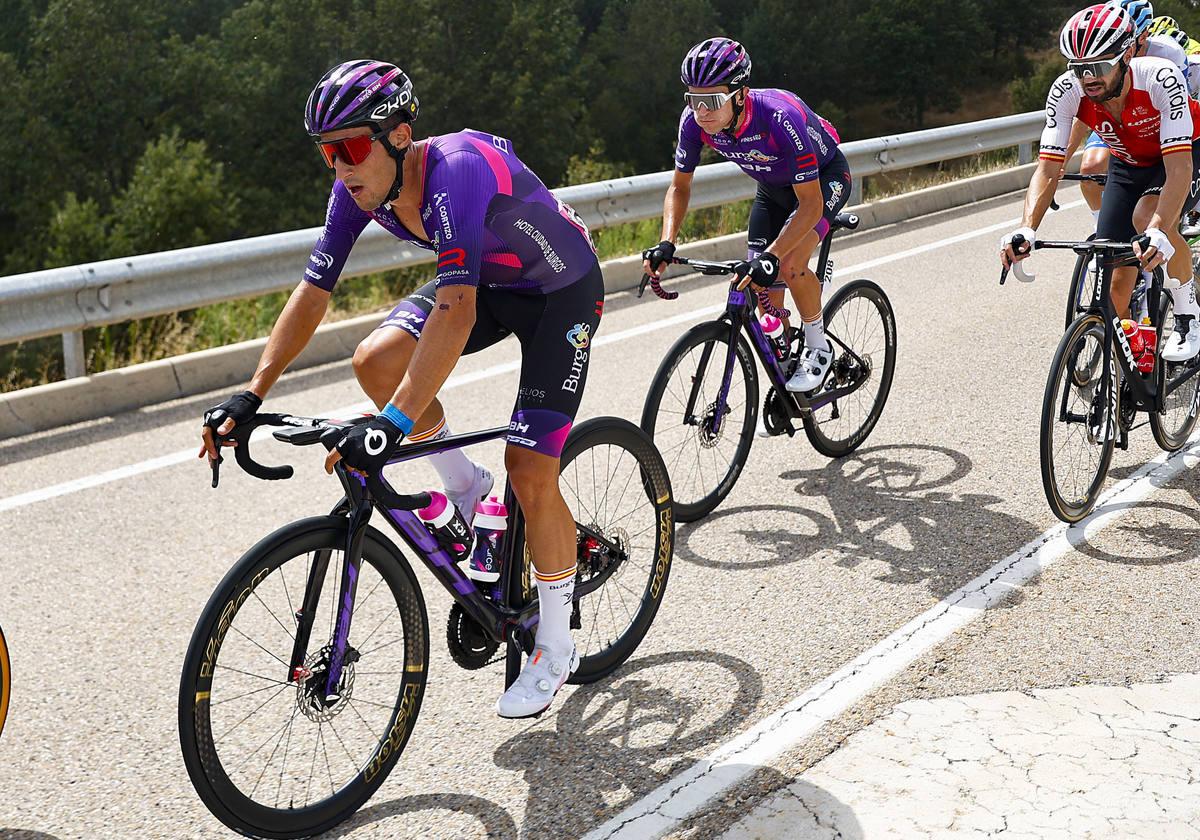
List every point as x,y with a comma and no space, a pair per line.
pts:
815,430
5,681
219,793
656,485
1062,370
695,495
1079,276
1171,440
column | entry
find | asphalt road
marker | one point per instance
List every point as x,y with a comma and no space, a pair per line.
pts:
805,566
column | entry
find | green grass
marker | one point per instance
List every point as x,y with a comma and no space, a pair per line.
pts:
40,361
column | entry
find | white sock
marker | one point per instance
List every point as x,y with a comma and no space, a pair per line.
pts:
814,334
555,593
455,468
1184,299
1095,219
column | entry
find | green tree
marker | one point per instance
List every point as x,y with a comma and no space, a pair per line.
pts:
1029,93
635,96
79,232
926,51
175,199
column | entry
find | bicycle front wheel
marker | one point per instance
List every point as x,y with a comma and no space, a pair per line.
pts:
5,681
860,316
1079,420
704,440
272,754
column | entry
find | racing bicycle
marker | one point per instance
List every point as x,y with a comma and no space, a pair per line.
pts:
1095,390
702,406
1086,273
306,670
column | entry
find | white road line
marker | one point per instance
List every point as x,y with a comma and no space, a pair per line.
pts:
131,470
666,807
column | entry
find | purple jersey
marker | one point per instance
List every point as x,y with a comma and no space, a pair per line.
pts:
781,140
492,221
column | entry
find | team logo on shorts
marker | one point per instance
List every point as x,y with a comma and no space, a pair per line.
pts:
578,336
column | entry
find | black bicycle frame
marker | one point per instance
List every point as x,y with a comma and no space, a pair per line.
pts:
1144,390
505,616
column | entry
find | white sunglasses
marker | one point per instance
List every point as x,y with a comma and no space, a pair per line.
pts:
710,101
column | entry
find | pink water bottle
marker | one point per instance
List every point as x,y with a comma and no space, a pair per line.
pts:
491,521
773,328
447,526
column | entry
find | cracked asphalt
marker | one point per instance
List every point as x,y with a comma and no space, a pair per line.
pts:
808,564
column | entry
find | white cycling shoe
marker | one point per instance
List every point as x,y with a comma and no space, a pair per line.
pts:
812,369
1184,343
473,495
541,678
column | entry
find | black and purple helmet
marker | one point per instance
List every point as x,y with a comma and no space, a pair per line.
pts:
716,61
362,92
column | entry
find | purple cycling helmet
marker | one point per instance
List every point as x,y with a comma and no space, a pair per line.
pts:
361,92
716,61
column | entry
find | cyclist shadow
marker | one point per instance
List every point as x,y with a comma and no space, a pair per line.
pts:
616,740
23,834
494,821
888,504
1169,529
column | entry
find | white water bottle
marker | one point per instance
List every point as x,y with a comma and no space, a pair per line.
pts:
491,521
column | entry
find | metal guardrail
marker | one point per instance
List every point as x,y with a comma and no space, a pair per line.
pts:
70,299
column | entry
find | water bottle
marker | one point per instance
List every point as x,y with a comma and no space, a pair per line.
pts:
1139,305
447,526
1149,337
491,521
773,328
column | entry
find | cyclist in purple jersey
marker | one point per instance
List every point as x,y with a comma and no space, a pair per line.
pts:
804,182
511,260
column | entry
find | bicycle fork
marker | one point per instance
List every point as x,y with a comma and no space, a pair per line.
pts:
298,670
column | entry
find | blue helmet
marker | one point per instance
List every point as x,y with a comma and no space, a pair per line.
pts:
716,61
1141,11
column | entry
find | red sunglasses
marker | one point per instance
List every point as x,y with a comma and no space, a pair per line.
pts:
350,150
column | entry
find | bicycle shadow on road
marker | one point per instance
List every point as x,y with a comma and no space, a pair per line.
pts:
888,505
616,740
493,820
22,834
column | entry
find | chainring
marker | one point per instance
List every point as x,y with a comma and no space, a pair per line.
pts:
470,646
774,414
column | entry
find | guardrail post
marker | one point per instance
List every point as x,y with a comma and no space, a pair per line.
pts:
74,362
856,190
1024,154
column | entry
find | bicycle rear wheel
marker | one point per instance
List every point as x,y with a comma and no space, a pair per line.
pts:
860,315
616,485
5,681
1174,425
1078,426
275,757
703,464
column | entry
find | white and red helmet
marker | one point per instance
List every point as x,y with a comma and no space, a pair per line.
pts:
1096,31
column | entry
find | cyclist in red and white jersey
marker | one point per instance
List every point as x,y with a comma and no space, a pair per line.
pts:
1141,108
1148,42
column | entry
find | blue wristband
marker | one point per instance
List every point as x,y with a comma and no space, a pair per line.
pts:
397,418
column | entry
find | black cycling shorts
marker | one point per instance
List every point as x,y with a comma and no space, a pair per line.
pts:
774,205
1125,188
555,331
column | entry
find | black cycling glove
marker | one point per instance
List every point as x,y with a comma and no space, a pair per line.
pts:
763,272
661,253
240,408
367,447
